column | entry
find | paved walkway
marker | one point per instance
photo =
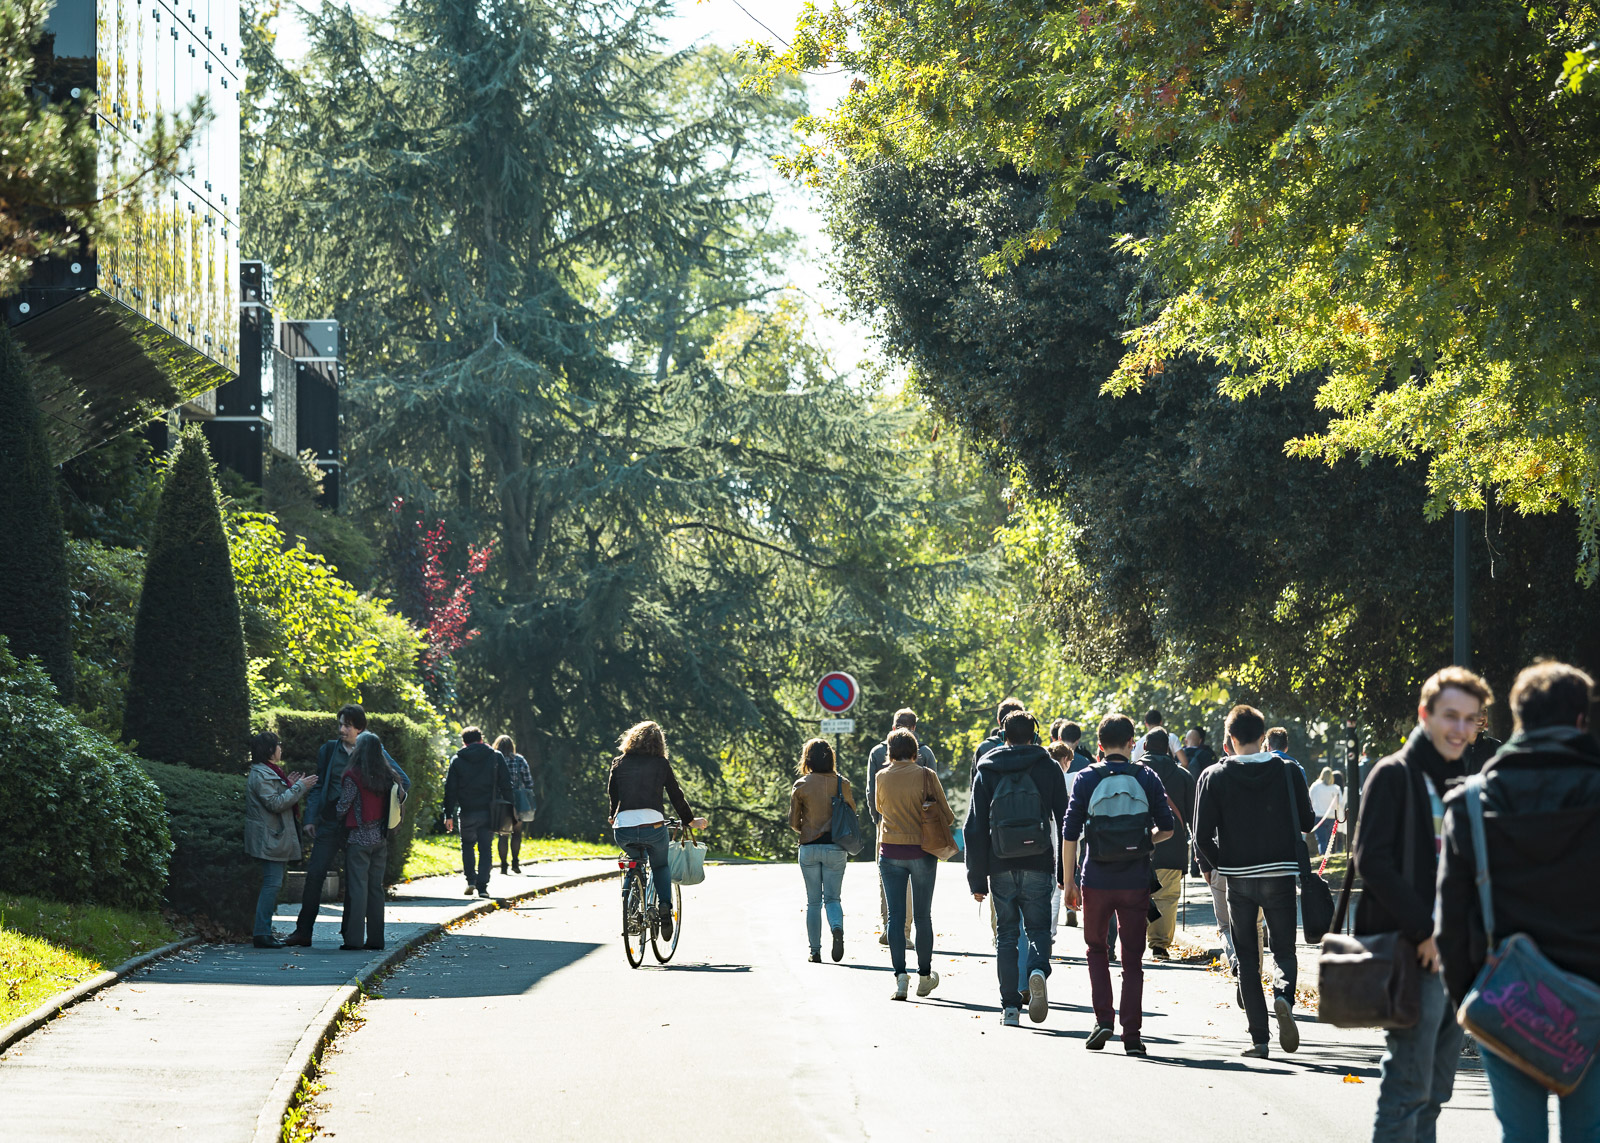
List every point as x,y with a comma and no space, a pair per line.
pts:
191,1047
531,1016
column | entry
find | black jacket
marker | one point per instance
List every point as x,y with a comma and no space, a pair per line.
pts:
1542,823
476,776
1244,825
637,782
1052,786
1179,783
1388,901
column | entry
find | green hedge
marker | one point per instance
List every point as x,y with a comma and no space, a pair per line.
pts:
35,605
79,821
210,874
412,745
188,695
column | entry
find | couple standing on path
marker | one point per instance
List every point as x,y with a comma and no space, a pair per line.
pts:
488,792
346,809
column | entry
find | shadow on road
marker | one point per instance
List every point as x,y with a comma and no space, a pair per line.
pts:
692,966
461,965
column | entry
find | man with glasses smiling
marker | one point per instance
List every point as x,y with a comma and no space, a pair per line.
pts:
322,822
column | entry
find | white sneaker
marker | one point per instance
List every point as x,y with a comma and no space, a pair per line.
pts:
1038,1000
1011,1018
902,981
927,983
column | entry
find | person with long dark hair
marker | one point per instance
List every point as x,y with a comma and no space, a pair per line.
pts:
822,862
364,807
521,779
271,836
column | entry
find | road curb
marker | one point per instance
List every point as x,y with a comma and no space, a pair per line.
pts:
36,1019
530,861
308,1050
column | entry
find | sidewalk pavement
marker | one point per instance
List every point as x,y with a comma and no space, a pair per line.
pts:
192,1046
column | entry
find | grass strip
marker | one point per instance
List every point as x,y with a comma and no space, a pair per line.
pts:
47,947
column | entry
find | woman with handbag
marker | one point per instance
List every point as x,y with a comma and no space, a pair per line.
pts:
521,795
913,816
364,808
640,783
272,797
822,862
1521,948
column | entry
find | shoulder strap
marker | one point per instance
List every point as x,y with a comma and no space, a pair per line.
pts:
1302,854
1480,853
839,792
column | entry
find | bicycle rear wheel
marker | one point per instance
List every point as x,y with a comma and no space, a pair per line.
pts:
633,922
656,943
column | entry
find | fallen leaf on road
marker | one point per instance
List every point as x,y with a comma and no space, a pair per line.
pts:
1352,1079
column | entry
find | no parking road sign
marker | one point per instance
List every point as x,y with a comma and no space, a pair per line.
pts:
837,692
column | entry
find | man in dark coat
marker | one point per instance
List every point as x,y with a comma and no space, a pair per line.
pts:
1541,802
1401,802
1021,772
477,778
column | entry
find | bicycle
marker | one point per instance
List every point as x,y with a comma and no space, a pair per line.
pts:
641,917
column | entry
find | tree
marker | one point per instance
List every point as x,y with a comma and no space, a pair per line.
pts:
188,694
35,602
1169,533
565,342
1391,204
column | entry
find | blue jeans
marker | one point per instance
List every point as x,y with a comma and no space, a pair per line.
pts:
822,866
1021,900
919,872
1418,1072
1522,1104
651,841
267,901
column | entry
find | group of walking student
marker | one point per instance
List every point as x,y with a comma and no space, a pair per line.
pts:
1110,835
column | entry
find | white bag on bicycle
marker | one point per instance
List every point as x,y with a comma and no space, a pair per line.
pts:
687,861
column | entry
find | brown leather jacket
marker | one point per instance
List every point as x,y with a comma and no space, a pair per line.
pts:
811,805
900,789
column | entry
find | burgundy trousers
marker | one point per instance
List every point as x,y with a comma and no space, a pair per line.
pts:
1132,907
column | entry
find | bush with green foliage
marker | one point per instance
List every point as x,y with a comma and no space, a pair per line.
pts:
416,746
79,820
313,640
35,613
105,598
210,874
188,694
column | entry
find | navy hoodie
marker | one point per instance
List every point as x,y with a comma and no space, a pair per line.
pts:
1052,785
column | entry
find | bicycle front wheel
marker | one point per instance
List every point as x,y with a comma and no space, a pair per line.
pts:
663,948
633,921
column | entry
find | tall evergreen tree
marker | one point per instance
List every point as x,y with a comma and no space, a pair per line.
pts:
35,602
556,346
188,698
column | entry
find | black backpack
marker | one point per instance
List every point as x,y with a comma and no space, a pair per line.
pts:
1019,825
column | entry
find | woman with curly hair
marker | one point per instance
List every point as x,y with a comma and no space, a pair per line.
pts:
641,778
821,861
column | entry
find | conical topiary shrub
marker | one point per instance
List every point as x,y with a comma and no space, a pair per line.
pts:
188,697
35,601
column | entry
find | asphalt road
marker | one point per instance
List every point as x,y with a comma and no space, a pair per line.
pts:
531,1020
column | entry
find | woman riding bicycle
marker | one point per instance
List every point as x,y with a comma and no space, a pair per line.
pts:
639,778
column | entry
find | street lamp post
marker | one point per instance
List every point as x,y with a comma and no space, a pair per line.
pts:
1463,600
